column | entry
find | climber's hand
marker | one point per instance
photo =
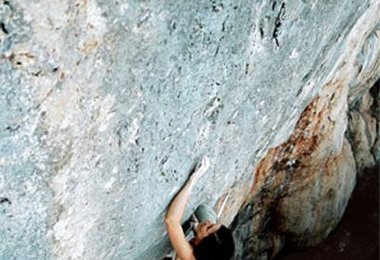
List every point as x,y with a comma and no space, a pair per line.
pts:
205,229
201,170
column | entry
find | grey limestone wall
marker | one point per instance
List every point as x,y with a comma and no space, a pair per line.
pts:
107,105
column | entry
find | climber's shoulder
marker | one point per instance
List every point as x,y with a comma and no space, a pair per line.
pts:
177,237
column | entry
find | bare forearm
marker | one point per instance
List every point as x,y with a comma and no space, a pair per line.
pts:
178,205
175,212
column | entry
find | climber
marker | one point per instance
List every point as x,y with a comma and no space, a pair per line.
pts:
212,240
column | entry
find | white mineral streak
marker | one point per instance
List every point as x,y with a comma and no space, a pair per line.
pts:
108,185
48,18
356,40
95,20
346,64
133,131
64,111
105,113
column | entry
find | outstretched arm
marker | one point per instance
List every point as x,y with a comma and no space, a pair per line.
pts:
175,213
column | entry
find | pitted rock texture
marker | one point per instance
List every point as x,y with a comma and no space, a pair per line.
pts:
107,105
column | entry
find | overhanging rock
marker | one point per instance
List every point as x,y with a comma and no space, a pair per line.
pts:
107,105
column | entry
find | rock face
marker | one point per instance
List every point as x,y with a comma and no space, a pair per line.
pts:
363,128
301,187
106,106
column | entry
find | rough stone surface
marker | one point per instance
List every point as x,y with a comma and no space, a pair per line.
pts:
350,239
302,187
107,105
364,135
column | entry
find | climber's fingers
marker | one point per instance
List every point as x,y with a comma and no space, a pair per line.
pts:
203,168
208,227
207,224
213,228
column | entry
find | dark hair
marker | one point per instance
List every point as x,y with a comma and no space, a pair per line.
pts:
216,246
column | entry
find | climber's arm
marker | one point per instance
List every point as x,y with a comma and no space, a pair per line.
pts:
175,213
173,223
177,207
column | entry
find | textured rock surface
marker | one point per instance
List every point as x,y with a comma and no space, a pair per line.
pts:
301,187
106,106
364,134
350,239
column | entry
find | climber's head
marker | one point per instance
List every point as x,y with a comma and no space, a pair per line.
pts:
216,245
